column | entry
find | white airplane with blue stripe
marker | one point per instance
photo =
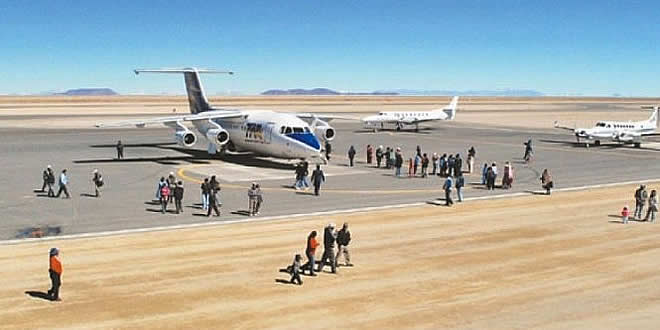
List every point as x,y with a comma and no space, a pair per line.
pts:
260,132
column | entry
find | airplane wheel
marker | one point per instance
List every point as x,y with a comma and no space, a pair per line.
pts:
638,145
398,128
597,142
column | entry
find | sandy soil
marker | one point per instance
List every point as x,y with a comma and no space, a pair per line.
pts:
85,112
557,262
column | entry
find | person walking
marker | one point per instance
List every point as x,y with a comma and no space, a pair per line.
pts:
425,165
159,187
546,181
351,155
379,155
310,252
295,270
97,182
451,165
484,174
418,151
458,165
507,176
370,153
44,176
178,197
343,239
206,190
460,183
171,182
392,156
417,163
260,198
640,199
653,207
449,183
120,150
434,160
388,159
317,179
328,150
329,239
214,200
49,181
55,273
490,178
305,173
528,150
472,154
252,200
165,193
398,162
443,165
299,176
64,181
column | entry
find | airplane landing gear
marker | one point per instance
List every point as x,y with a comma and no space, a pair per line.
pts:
597,143
638,145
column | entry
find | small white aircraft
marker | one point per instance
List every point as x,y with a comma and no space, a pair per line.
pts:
261,132
624,132
401,118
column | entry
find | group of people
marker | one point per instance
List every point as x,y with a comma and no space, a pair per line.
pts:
643,199
331,239
317,178
169,190
48,177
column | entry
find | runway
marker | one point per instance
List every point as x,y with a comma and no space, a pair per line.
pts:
126,201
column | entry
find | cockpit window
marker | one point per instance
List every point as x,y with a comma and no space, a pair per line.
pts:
288,130
600,124
298,130
282,129
307,130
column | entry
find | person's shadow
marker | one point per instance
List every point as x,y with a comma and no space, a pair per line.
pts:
38,294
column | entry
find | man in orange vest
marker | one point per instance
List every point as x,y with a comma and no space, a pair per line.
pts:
55,271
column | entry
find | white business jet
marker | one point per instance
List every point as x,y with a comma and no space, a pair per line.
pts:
624,132
260,132
401,118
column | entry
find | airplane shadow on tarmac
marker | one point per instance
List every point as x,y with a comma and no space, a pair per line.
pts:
192,156
608,146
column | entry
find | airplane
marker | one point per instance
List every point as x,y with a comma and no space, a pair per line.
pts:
624,132
260,132
401,118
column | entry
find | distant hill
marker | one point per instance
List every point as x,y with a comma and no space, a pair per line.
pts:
89,92
503,92
318,91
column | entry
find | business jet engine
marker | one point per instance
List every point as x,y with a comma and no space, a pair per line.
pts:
185,138
326,132
218,136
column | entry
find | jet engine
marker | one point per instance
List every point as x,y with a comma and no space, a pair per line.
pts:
185,138
326,132
218,136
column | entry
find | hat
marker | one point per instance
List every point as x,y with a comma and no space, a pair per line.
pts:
172,173
380,146
398,149
54,251
96,170
49,166
331,225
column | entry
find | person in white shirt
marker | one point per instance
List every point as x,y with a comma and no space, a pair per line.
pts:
64,180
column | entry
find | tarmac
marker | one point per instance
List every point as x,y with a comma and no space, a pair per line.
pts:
127,200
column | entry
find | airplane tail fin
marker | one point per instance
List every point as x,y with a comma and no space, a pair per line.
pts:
450,109
654,116
196,97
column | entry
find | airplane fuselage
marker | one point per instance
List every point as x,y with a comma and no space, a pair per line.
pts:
269,133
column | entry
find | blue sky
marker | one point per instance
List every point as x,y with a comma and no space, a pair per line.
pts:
556,47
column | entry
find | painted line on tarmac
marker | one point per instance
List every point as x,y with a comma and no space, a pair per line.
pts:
305,215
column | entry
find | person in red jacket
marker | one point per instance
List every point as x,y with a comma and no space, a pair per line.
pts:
310,251
55,271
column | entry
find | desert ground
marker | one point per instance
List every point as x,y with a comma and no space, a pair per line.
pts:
557,262
529,261
538,113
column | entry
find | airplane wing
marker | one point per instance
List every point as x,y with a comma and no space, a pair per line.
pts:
572,129
324,117
173,119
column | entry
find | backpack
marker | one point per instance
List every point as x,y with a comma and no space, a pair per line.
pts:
99,181
165,191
